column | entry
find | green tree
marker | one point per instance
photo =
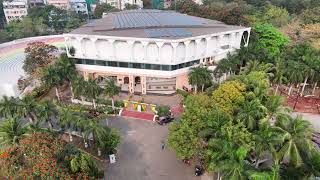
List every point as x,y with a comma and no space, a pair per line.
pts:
98,132
111,90
297,140
38,56
52,78
229,96
279,74
92,91
8,107
84,163
184,136
11,131
66,121
251,112
269,39
200,76
46,111
27,107
103,8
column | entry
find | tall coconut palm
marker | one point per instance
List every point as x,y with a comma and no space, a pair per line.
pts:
111,90
251,112
97,131
279,74
78,84
8,107
275,108
51,77
27,107
67,70
228,159
294,73
92,90
200,76
66,120
11,131
297,140
258,66
46,111
81,125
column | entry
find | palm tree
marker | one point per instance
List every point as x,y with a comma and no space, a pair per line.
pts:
11,131
78,84
294,73
297,140
8,107
228,159
46,110
275,108
97,131
279,74
27,107
66,69
81,125
111,90
92,90
52,78
258,66
200,76
66,120
251,113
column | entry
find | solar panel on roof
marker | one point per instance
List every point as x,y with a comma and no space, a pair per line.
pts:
167,32
136,19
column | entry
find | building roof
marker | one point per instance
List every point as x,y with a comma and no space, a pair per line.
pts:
153,24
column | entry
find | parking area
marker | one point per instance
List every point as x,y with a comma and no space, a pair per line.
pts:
140,156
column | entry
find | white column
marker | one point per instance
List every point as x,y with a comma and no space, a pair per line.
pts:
186,43
131,48
113,57
145,44
143,85
174,57
159,44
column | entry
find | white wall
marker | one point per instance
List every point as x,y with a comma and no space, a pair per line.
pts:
153,51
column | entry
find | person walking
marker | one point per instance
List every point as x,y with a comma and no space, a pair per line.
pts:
162,145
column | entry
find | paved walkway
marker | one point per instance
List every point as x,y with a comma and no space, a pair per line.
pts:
140,156
314,119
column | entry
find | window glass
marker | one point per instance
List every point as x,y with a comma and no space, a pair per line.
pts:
147,66
123,64
156,67
165,67
100,63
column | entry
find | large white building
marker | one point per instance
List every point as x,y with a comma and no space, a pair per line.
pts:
151,51
120,4
14,10
79,6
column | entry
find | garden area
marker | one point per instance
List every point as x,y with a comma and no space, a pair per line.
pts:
50,137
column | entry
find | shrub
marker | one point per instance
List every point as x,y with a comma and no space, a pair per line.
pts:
163,110
183,93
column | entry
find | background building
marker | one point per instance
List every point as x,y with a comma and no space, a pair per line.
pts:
33,3
79,6
62,4
151,51
15,9
120,4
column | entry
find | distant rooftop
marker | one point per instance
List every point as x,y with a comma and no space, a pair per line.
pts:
152,24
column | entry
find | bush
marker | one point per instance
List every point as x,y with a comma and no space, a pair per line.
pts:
39,91
182,93
163,110
108,102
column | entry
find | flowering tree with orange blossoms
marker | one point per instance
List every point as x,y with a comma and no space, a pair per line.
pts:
36,157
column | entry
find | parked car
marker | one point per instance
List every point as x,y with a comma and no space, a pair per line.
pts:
165,119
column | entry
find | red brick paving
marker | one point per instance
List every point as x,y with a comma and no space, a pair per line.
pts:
137,115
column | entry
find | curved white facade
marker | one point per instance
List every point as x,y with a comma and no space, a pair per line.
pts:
154,51
151,50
